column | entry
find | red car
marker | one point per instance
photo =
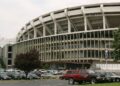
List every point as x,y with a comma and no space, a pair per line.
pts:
68,74
79,76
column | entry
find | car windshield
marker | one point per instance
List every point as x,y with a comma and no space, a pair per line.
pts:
100,73
3,74
90,71
73,72
114,74
111,74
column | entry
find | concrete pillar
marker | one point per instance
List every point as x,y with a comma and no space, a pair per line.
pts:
103,15
55,23
85,18
42,22
28,35
69,23
35,32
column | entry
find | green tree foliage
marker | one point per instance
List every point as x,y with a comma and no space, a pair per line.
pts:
116,45
45,66
28,61
2,64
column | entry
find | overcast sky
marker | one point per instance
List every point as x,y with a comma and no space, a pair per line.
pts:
16,13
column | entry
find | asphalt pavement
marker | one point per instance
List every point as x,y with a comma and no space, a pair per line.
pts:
43,82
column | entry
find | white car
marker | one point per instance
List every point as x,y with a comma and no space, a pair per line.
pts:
47,75
32,76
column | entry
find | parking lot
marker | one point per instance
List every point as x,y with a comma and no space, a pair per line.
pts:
44,77
48,82
43,82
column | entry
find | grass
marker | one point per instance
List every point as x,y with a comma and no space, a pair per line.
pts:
102,84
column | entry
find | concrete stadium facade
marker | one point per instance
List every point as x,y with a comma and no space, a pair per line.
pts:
76,35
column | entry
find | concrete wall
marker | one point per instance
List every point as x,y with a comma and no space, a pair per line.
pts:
8,55
0,52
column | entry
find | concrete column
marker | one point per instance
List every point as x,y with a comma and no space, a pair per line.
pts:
104,21
25,28
35,30
23,37
69,23
55,28
85,19
69,26
44,33
55,23
85,23
42,22
28,35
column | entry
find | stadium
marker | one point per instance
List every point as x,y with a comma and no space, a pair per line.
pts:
72,36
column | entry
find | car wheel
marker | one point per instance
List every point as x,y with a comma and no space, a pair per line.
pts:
93,81
80,82
117,80
71,81
113,80
1,79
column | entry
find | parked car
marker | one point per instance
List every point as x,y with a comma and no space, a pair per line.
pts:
100,77
37,72
4,76
22,75
47,75
32,76
112,77
79,76
14,74
43,71
67,74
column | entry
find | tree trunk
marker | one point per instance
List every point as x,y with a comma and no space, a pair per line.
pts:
26,74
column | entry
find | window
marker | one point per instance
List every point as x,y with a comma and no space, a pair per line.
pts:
9,48
9,55
9,62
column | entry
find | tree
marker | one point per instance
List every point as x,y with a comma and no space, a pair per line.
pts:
45,66
28,61
116,45
2,64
